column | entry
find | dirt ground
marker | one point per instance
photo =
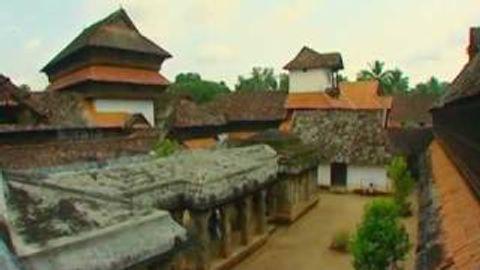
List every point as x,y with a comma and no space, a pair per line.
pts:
304,244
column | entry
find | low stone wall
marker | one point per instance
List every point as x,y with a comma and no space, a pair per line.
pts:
55,151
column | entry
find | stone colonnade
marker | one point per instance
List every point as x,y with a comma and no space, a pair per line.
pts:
219,232
292,196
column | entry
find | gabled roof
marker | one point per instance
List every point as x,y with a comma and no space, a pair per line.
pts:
466,84
188,115
412,108
308,58
116,31
364,95
250,106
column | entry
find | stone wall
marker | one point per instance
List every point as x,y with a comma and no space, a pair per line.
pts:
429,250
53,151
350,136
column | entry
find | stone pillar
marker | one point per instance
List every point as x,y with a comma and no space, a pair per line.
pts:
202,236
246,220
227,213
260,210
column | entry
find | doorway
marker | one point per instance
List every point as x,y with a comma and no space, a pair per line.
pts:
338,172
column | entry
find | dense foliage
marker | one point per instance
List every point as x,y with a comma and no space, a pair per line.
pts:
262,79
200,90
380,241
166,148
396,82
403,183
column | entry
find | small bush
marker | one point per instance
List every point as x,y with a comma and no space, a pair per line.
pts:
403,184
340,241
380,242
166,148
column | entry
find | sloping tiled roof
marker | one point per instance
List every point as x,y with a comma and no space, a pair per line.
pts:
363,95
109,74
116,31
7,97
466,84
412,108
250,106
459,213
189,114
308,58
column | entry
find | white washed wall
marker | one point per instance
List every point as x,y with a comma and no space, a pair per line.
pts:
323,175
144,107
359,177
310,80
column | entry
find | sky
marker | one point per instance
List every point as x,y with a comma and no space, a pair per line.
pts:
221,39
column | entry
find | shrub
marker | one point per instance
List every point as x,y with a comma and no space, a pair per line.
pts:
340,241
403,183
166,148
380,241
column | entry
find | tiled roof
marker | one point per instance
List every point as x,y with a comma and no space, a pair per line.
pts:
116,31
189,114
250,106
412,108
6,95
459,211
466,84
200,143
109,74
308,58
363,95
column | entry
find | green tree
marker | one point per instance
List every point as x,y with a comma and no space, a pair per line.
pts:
432,86
342,78
403,183
260,79
166,148
200,90
377,72
397,83
284,82
380,241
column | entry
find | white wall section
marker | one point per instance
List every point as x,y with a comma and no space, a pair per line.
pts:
145,107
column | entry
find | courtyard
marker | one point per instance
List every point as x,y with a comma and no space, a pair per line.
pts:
304,244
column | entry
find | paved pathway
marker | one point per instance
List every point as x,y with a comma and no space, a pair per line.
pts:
304,244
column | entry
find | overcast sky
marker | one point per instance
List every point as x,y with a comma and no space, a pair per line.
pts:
222,39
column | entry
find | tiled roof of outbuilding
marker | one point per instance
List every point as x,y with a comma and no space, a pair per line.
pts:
250,106
308,58
412,108
189,114
363,95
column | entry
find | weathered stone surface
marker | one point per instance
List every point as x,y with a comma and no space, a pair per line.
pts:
355,137
429,250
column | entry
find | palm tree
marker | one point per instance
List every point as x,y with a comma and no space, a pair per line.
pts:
398,82
376,72
261,79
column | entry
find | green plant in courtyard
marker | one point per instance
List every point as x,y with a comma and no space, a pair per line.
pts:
380,241
403,183
340,241
166,148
